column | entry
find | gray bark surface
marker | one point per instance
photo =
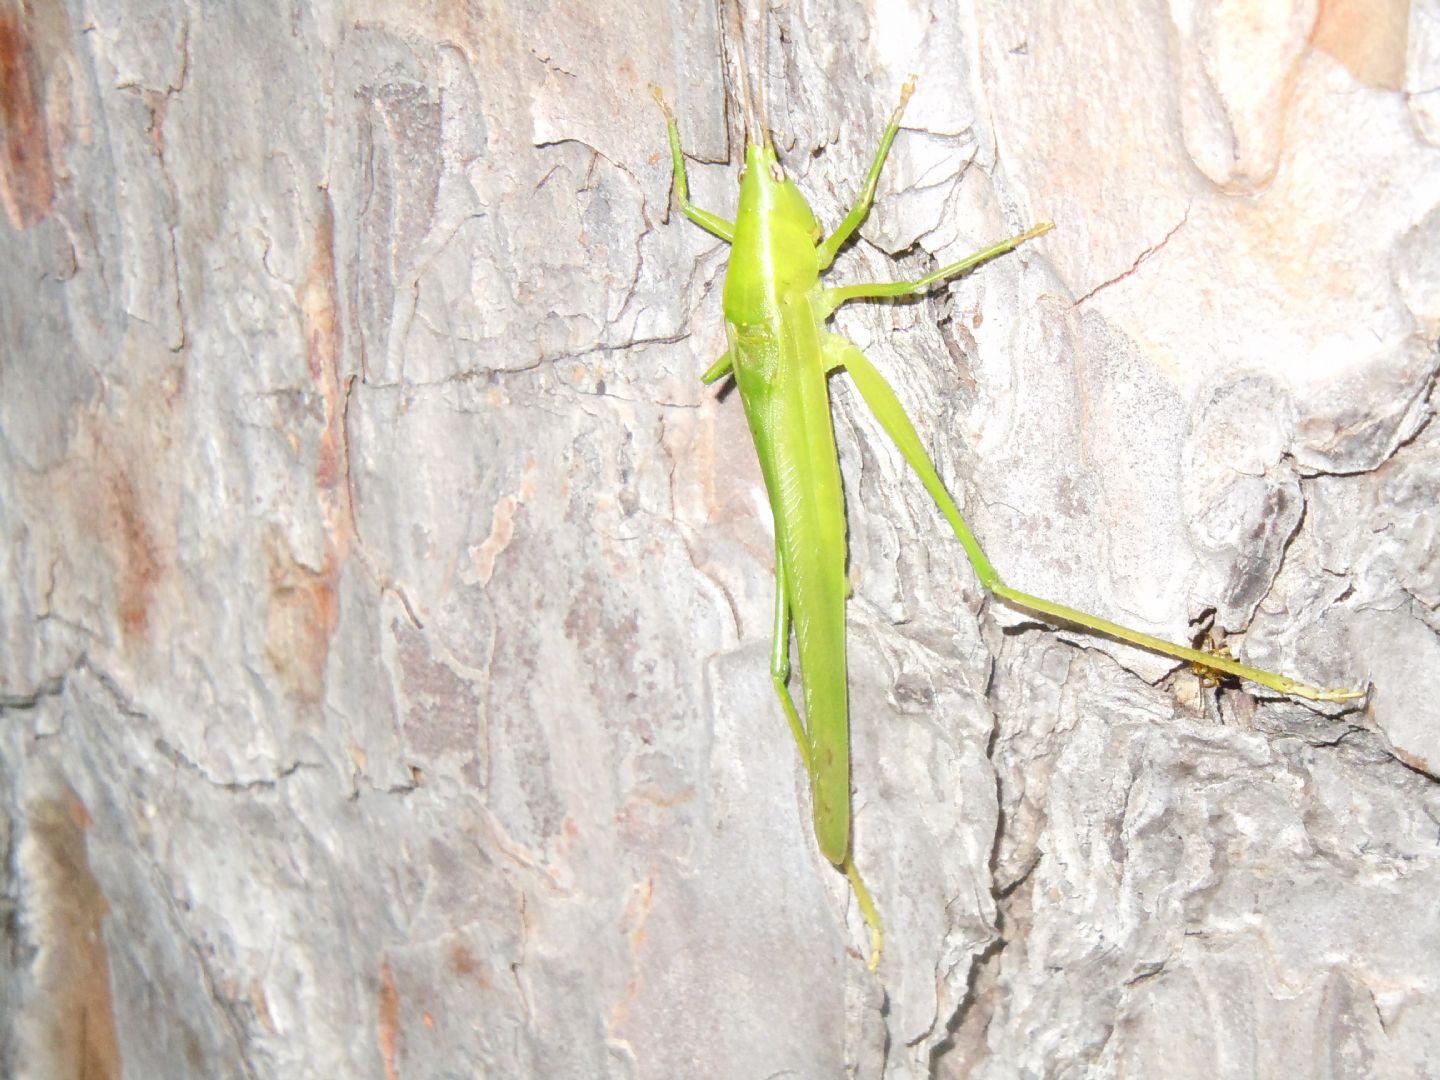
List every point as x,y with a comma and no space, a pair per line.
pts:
386,608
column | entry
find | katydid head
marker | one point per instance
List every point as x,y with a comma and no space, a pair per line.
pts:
767,194
773,254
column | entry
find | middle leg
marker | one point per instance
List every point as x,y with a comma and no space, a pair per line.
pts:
833,298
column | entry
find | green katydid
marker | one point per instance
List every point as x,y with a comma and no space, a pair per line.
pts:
780,355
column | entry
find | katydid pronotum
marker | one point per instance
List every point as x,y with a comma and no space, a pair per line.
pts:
780,355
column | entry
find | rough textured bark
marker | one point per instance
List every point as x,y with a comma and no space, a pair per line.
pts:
386,604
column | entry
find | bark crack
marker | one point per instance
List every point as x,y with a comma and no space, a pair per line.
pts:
1139,261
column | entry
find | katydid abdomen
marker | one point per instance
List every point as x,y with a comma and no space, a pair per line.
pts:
780,372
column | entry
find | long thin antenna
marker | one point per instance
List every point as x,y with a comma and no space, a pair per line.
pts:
754,131
762,73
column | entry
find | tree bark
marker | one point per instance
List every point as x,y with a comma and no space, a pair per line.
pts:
387,605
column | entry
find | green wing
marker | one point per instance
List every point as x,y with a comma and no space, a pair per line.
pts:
781,378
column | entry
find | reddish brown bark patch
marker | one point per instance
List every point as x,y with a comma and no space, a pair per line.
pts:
138,563
73,1011
27,184
389,1021
304,603
303,611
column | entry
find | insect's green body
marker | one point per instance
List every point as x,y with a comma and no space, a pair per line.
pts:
781,355
774,326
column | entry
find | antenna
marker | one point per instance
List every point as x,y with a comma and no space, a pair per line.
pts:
762,72
754,125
